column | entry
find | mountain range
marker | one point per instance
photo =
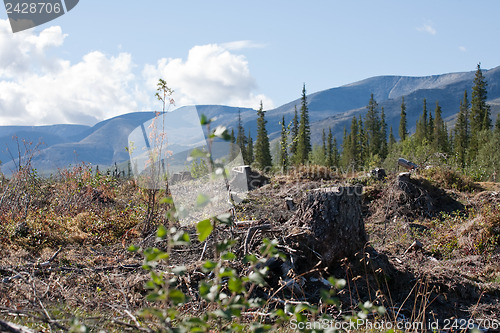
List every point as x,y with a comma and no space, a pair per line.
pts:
105,143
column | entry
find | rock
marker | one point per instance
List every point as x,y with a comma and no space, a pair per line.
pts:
333,222
378,173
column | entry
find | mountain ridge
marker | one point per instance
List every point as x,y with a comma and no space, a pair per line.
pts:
105,142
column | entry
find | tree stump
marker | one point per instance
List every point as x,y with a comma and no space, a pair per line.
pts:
332,221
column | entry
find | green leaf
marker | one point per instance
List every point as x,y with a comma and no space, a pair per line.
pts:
161,232
204,229
154,254
202,200
154,297
204,120
181,238
176,296
157,278
235,285
257,278
228,256
209,266
133,248
204,289
167,200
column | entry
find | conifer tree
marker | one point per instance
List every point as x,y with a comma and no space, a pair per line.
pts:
324,146
283,152
233,151
497,126
250,150
262,151
335,154
362,140
383,135
440,137
329,148
461,140
392,139
480,113
351,149
403,132
430,128
421,131
241,139
294,132
304,134
372,128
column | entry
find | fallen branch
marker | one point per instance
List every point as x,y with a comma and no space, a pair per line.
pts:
6,326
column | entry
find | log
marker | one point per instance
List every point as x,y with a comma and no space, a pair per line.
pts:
333,220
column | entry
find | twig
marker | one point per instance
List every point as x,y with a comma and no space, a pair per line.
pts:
47,263
13,328
251,232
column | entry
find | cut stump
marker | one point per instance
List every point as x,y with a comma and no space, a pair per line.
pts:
332,221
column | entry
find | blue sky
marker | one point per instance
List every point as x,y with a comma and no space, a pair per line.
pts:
104,58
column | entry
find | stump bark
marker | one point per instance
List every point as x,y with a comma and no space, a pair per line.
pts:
332,221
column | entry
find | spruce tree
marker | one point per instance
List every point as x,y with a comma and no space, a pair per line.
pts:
262,151
440,137
480,113
461,140
304,134
294,132
497,126
324,147
422,131
335,154
430,128
250,150
351,149
283,152
241,139
329,149
372,128
403,132
392,140
362,140
233,151
383,135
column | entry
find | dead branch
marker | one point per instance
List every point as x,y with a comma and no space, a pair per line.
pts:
6,326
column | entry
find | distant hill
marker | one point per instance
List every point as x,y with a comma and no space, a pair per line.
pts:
104,143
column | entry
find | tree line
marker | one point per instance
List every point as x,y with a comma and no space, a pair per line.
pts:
472,146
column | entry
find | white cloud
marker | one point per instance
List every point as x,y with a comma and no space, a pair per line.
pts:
462,48
427,28
39,89
241,44
211,74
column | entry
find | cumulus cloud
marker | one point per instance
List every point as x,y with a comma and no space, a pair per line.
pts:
211,74
427,28
462,48
242,44
39,89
